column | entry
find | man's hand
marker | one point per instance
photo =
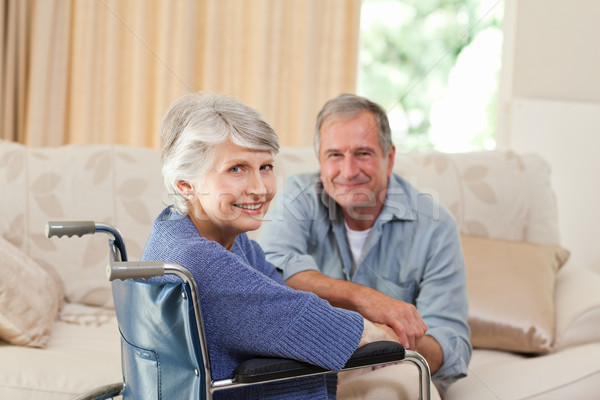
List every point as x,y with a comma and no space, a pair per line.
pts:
402,317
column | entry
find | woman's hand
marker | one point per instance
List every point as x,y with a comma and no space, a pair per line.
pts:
374,332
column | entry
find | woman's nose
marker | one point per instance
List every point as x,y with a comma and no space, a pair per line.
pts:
256,184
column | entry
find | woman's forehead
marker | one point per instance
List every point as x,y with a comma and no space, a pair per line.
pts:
228,151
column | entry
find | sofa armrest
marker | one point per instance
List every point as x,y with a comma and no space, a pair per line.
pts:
577,306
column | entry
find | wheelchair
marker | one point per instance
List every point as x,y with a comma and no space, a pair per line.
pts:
163,344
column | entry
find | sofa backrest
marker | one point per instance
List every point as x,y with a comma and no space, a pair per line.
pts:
118,185
496,194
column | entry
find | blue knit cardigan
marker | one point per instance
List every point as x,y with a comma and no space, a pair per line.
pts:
248,311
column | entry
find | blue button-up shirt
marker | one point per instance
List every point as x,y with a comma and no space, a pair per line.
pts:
413,253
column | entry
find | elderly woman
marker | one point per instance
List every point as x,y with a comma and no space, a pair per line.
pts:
217,157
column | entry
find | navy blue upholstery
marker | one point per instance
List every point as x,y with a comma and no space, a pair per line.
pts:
151,318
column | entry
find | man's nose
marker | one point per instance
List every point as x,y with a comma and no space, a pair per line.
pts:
349,167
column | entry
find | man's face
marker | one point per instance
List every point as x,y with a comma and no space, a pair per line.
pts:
354,169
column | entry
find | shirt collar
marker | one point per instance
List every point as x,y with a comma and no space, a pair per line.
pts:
398,204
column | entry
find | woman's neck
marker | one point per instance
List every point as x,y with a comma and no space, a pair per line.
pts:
207,231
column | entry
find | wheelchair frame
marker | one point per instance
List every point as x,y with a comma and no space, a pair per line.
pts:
119,268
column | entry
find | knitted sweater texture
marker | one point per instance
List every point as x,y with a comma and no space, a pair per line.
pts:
248,311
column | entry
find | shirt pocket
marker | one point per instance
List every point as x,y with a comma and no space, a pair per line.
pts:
404,291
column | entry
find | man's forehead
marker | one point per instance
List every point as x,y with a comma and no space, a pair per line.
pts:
350,147
347,116
349,140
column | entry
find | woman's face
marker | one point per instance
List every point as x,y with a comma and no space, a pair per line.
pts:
234,194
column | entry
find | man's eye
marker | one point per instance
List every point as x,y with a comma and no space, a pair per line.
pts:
267,167
235,169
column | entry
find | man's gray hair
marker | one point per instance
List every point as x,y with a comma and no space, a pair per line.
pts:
346,106
191,129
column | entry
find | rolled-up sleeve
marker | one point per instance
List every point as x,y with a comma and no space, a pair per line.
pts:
443,303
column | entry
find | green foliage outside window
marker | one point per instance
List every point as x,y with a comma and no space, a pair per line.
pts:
433,64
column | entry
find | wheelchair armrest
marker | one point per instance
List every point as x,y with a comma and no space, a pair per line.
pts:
376,353
266,369
258,370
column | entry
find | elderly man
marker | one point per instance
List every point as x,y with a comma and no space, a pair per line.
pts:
363,238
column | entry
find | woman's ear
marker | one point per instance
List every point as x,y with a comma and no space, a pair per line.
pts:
184,188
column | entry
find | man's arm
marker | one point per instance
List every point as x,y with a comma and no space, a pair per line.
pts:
429,348
402,317
442,299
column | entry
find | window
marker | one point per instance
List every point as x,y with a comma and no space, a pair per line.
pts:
434,65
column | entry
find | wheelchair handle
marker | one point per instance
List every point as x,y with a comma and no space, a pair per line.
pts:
70,228
80,228
134,270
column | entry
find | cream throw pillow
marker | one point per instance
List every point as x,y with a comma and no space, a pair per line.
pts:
29,299
511,293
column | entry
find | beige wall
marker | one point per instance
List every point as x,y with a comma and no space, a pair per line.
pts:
550,104
557,51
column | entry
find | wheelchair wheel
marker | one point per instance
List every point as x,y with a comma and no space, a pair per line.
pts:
110,391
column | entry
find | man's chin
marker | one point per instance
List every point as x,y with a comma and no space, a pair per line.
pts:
355,200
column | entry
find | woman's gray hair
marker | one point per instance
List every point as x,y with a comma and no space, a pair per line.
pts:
346,106
194,125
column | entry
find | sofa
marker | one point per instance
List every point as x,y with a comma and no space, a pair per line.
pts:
534,316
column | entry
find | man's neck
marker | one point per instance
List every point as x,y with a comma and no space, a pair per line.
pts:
363,219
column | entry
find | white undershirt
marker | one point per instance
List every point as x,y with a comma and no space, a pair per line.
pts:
356,239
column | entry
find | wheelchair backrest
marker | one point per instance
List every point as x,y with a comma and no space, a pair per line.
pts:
161,353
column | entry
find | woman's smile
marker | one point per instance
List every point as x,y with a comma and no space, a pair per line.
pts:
251,208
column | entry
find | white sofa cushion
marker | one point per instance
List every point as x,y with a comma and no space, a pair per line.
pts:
83,353
573,373
577,313
29,299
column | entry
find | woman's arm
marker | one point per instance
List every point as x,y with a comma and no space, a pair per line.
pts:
403,317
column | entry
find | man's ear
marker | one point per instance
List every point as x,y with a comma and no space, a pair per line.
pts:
184,188
391,157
